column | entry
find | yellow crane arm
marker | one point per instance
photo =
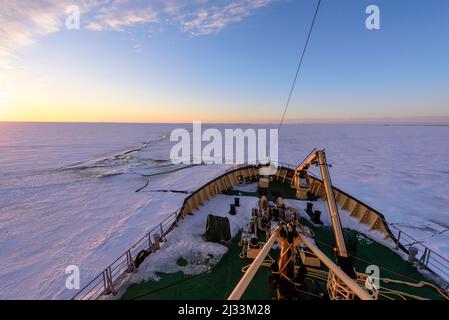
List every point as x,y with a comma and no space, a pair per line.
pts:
350,283
319,157
240,289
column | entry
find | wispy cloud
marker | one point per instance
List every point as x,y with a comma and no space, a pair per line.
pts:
213,19
23,22
94,26
121,14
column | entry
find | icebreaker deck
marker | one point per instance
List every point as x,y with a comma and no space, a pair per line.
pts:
218,282
329,245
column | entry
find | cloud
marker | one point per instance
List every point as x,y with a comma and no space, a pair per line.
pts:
213,19
121,14
119,21
94,26
23,22
197,17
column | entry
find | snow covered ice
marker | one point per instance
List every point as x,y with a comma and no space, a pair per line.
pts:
68,191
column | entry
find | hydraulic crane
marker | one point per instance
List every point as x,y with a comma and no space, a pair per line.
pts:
318,157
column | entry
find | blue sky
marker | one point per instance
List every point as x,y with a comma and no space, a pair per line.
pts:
224,61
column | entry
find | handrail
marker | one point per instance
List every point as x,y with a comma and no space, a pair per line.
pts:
104,281
246,165
426,257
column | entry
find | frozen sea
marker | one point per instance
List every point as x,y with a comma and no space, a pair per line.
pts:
68,191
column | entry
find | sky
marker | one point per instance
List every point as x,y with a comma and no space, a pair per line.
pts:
223,61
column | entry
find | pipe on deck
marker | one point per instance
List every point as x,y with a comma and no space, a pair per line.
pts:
243,284
358,291
241,287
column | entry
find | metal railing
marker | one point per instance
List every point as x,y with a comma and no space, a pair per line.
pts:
426,258
246,165
104,283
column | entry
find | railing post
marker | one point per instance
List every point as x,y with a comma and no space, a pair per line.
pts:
398,239
105,282
162,233
150,243
176,219
108,282
423,258
130,262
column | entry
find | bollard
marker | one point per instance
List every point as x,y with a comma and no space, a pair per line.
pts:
232,210
309,207
317,217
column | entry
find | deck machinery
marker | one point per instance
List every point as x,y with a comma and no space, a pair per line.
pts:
279,224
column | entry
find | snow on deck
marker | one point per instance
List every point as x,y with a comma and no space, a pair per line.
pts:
187,239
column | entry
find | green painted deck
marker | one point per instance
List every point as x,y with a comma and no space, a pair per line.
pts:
218,283
214,285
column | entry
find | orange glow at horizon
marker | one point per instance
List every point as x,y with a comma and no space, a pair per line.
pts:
117,114
90,102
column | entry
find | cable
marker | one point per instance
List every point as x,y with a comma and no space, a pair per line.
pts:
383,291
300,64
417,284
369,262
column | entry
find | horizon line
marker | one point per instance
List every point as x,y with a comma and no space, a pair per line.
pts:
312,122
